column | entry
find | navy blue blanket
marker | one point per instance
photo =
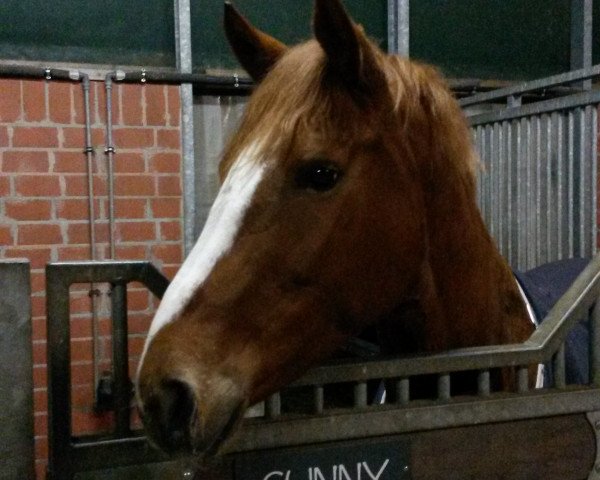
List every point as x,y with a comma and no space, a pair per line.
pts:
543,287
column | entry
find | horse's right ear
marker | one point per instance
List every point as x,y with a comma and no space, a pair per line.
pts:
255,50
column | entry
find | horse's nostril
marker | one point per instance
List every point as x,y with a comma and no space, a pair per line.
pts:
172,410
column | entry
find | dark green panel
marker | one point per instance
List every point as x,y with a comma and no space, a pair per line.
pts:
502,39
139,32
288,20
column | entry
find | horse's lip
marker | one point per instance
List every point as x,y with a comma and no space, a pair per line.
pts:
210,448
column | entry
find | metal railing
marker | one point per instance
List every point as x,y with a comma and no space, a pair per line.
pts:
69,454
537,191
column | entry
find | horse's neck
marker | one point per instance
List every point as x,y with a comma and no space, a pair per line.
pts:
468,294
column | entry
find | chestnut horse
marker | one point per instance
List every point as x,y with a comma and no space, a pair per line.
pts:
348,200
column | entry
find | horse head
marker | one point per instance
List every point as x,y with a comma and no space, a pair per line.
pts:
321,226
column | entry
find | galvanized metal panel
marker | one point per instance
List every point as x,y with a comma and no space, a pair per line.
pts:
538,191
16,371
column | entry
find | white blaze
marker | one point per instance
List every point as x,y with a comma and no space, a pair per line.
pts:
216,239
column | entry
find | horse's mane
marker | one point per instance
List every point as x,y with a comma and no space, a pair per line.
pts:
294,98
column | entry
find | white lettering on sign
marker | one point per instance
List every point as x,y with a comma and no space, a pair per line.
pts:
274,475
338,472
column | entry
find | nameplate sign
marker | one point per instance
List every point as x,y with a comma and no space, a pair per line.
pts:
383,460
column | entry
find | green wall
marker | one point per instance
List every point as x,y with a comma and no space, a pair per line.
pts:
502,39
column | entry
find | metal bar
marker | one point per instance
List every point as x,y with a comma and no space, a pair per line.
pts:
120,353
273,406
558,367
595,345
399,27
59,374
443,387
403,391
183,46
483,383
594,161
532,86
537,108
110,158
581,37
571,139
319,399
559,192
522,379
360,395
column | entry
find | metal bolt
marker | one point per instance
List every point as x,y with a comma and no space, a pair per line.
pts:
597,425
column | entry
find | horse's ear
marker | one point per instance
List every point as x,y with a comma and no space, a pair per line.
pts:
255,50
349,53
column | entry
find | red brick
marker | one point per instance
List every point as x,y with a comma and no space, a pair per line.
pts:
90,422
74,137
72,209
156,112
41,465
41,446
40,376
6,235
34,100
133,137
37,185
40,137
81,350
136,345
138,300
130,163
138,323
10,100
25,161
136,231
82,395
4,186
37,256
39,234
169,185
132,112
3,136
39,328
166,207
130,207
38,282
165,163
39,352
135,185
70,162
82,373
131,252
169,271
38,305
70,252
170,230
59,102
174,107
168,138
40,400
77,185
171,254
28,209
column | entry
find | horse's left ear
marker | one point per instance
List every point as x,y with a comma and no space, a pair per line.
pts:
350,55
256,51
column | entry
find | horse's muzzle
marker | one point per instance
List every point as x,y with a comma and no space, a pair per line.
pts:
177,424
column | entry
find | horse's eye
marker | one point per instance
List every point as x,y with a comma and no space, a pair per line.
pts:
318,176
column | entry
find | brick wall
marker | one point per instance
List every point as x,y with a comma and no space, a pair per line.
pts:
44,211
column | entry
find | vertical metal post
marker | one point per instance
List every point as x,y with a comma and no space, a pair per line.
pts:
183,44
399,27
581,37
122,387
595,345
59,375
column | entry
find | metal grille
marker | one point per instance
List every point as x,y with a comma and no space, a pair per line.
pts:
537,188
